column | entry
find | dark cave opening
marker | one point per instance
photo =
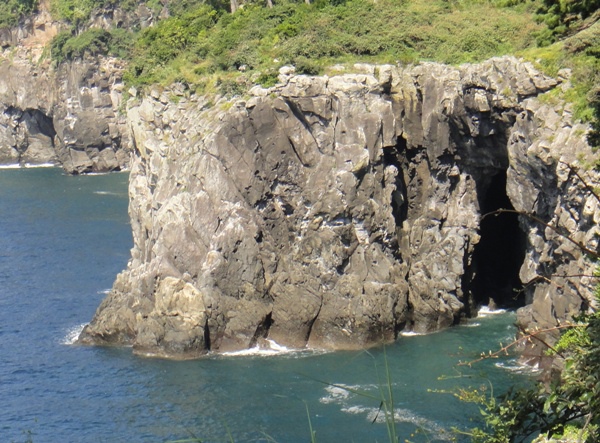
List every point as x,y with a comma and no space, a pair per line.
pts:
498,256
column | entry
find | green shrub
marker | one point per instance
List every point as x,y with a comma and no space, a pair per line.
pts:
77,12
159,45
72,11
259,38
65,46
12,10
231,87
570,404
267,78
306,66
559,15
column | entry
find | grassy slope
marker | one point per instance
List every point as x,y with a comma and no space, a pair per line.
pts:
189,47
211,50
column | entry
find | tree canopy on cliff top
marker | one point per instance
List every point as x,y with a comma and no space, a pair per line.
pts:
206,39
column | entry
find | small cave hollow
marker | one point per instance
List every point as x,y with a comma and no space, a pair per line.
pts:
393,157
498,256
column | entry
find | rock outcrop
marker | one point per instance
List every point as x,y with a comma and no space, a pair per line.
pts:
335,212
70,115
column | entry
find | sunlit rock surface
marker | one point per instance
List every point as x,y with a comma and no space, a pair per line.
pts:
336,212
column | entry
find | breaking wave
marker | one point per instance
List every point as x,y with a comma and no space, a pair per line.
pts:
485,311
27,165
109,193
72,334
517,367
266,349
411,334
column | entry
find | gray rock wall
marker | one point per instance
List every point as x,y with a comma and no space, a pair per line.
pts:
69,115
336,212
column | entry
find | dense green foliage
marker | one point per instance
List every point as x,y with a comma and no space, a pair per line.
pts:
580,54
95,41
562,16
208,39
12,10
77,12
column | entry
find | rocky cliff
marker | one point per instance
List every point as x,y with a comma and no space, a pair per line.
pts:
336,212
70,115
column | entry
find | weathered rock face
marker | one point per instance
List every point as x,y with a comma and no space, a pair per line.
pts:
91,129
335,212
69,116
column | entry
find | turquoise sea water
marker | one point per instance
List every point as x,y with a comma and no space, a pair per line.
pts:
63,240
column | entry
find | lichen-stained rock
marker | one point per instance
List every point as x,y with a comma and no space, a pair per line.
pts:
337,212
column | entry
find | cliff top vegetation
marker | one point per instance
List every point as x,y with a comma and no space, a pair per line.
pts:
202,44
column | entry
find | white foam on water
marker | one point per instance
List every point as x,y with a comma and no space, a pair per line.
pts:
107,193
340,392
485,311
40,165
401,416
28,165
104,291
344,394
277,347
471,325
518,367
72,334
356,410
124,170
273,348
411,334
337,394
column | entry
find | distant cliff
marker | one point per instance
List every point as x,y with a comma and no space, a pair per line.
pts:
336,212
70,115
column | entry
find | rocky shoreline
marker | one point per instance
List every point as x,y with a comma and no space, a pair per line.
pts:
338,211
332,212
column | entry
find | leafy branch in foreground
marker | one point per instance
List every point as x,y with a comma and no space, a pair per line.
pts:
527,337
571,401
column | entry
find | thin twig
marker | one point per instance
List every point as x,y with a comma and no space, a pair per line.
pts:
544,343
585,184
540,221
529,336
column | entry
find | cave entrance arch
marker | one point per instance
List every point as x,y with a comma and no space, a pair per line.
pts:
498,256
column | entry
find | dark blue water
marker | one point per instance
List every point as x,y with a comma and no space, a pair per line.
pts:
63,240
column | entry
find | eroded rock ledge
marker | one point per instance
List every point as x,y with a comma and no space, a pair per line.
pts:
335,212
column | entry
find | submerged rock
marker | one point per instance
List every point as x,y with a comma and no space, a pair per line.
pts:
336,212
